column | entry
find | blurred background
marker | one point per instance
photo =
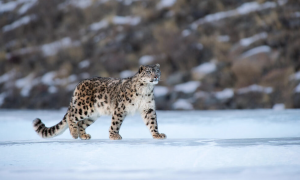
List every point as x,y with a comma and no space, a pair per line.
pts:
214,54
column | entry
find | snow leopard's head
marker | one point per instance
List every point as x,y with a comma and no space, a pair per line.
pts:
149,73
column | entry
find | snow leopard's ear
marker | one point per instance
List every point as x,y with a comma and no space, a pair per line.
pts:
157,65
141,69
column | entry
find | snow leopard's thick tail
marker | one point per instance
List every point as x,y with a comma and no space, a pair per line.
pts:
50,132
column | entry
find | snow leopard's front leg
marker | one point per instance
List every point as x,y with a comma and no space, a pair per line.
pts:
116,122
149,116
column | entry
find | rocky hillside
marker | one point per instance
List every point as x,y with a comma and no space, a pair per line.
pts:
214,54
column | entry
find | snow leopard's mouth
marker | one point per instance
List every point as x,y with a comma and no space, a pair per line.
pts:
155,81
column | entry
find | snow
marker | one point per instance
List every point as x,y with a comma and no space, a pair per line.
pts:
182,104
146,59
188,87
84,64
297,14
185,32
9,6
48,78
75,3
248,144
245,8
26,6
225,94
252,39
297,89
255,88
278,107
52,48
129,20
7,76
52,89
99,25
20,22
224,38
165,4
199,46
127,73
205,68
72,78
26,84
295,76
160,91
282,2
52,81
257,50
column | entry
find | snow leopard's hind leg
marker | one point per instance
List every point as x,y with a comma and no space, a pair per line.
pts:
81,108
82,125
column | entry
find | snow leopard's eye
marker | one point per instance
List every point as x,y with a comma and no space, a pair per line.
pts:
148,71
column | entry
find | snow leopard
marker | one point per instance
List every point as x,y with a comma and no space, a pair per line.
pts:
118,97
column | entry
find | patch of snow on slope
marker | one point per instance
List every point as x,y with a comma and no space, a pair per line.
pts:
9,6
255,88
249,7
252,39
84,64
146,59
52,48
225,94
52,89
160,91
24,20
282,2
256,50
99,25
127,73
48,78
295,76
185,32
224,38
297,89
165,4
26,84
183,104
245,8
129,20
297,14
81,3
205,68
7,76
72,78
188,87
26,6
278,107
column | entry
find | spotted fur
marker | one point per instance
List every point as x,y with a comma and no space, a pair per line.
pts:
109,96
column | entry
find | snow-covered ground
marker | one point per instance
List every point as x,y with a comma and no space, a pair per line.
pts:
249,144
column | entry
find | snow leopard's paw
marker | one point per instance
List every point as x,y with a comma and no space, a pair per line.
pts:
159,136
85,136
115,137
